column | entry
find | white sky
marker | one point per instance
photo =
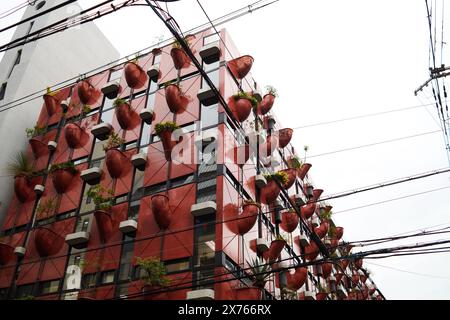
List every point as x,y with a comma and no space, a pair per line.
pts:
331,60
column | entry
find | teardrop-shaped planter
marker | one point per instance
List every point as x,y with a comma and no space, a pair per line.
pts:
87,93
38,147
289,221
105,224
117,163
6,253
304,170
292,175
297,280
372,291
75,136
358,263
270,192
308,210
266,104
338,233
267,148
180,58
47,241
285,136
128,118
168,143
326,270
241,66
52,104
176,100
161,210
62,179
22,188
316,194
311,251
247,218
240,107
363,278
322,230
275,249
334,245
248,293
338,276
344,263
135,76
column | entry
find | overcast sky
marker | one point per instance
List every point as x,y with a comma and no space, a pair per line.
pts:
331,60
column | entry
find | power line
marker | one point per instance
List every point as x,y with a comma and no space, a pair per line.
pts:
374,144
390,200
13,10
410,272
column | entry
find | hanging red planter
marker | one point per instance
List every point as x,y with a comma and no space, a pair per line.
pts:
297,280
240,107
75,136
247,218
22,188
311,251
344,263
338,276
275,249
372,290
106,224
248,293
334,245
117,163
308,210
176,100
47,241
180,58
267,148
241,66
270,192
266,104
52,104
289,221
338,233
322,230
168,143
38,147
285,136
316,194
355,279
6,253
358,263
320,296
61,179
161,210
327,267
135,76
363,278
292,175
128,118
87,92
304,170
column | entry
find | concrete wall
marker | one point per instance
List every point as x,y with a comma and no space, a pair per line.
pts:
43,63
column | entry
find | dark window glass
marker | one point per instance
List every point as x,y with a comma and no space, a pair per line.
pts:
89,281
107,277
24,291
126,267
48,287
177,266
3,91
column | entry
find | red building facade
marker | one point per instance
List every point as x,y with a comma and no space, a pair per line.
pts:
207,206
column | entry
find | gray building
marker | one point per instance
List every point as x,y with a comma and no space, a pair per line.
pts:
30,68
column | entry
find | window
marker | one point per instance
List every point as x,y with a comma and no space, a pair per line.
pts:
3,91
24,291
157,58
3,293
115,74
126,268
205,235
89,281
83,223
49,287
211,38
40,5
177,266
107,277
16,62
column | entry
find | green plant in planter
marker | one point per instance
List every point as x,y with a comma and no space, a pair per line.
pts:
46,208
20,165
102,197
331,230
154,271
119,102
280,237
295,162
289,294
245,95
260,273
65,165
177,44
114,141
169,125
280,176
50,92
247,202
322,289
325,215
36,131
271,90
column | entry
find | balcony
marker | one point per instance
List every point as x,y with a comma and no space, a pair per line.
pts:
204,208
